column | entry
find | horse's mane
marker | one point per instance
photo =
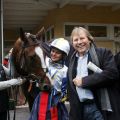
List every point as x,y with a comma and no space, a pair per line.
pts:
17,48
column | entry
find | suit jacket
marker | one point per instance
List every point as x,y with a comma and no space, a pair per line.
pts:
95,81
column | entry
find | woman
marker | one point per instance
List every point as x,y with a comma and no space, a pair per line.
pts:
54,107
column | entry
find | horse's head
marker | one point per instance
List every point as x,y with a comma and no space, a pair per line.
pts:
28,57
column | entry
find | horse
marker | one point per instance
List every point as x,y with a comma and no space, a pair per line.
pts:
28,59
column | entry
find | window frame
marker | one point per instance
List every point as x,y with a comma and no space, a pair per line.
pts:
50,32
109,29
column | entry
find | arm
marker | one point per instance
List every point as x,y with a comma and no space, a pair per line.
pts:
11,82
107,77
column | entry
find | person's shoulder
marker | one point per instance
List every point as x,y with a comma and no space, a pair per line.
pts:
64,69
117,57
2,73
1,67
103,50
117,54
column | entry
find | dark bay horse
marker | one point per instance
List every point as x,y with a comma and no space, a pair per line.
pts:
28,60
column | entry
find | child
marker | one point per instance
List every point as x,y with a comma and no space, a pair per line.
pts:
54,108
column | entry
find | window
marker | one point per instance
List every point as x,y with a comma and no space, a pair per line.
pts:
49,34
117,31
69,28
98,31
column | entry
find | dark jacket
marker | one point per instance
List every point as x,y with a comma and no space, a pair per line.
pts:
117,60
3,93
95,81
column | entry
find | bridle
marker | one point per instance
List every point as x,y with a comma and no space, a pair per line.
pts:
24,65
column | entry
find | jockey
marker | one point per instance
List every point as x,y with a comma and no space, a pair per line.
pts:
55,108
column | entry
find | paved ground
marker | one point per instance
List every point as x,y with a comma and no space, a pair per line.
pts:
22,112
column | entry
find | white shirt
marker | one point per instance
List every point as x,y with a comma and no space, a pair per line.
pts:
82,71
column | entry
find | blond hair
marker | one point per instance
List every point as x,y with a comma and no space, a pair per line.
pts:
77,30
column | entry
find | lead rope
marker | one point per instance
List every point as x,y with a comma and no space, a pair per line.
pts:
16,91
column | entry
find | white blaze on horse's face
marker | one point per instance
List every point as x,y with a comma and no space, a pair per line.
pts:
39,52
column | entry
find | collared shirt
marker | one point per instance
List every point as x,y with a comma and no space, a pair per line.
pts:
82,71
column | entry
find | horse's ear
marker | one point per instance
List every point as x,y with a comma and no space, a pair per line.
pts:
22,36
40,33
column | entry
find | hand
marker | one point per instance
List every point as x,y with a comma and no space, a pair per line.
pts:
63,99
21,80
77,81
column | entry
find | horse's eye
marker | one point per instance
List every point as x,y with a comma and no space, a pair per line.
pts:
33,37
33,57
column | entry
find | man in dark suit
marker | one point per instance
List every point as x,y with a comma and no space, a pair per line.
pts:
92,95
